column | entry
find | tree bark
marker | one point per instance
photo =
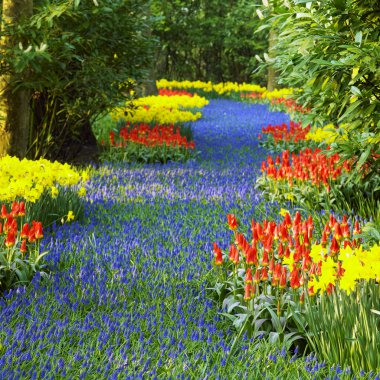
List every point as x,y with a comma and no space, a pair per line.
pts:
14,104
272,75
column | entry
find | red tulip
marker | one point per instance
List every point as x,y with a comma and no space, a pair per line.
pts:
247,291
4,212
23,248
251,257
248,276
357,230
218,255
334,247
25,231
21,211
31,235
264,274
234,254
232,222
15,209
338,232
265,259
257,276
38,230
283,278
294,278
10,239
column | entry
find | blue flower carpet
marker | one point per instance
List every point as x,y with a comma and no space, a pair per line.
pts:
127,295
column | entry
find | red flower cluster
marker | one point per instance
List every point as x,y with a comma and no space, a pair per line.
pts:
263,257
289,104
166,92
9,227
253,95
295,132
144,134
308,165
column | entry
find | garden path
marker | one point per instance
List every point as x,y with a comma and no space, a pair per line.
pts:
128,290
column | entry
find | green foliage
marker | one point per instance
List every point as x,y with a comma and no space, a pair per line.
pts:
268,315
78,58
137,153
331,50
277,146
345,328
54,209
341,195
209,40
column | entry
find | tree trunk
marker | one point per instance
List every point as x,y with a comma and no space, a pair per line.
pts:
14,105
272,75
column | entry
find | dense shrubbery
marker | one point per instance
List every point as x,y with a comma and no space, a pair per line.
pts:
207,40
329,50
78,59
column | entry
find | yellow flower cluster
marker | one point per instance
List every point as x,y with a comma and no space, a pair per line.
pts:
163,109
357,264
175,101
220,88
278,93
228,87
27,179
328,134
185,85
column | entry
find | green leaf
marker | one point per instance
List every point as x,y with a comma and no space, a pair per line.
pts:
355,91
358,37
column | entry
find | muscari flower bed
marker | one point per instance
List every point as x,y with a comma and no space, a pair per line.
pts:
128,291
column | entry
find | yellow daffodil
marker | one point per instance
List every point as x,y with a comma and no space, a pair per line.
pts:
82,191
283,212
54,192
317,253
70,216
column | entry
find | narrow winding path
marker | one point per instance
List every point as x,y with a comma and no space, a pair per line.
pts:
127,294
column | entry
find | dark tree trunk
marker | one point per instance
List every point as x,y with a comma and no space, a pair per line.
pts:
15,105
272,75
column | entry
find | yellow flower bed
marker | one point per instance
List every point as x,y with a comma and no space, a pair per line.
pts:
175,101
226,88
28,179
185,85
220,88
163,109
278,93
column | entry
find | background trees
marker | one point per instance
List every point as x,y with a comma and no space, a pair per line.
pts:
77,59
331,51
73,60
208,40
